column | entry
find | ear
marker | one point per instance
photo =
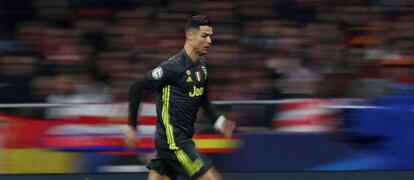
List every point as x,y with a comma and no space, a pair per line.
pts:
189,35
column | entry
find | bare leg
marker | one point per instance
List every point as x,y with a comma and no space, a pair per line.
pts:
211,174
154,175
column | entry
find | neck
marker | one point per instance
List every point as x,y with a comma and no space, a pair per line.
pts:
191,52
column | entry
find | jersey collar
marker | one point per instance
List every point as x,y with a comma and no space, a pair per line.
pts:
188,60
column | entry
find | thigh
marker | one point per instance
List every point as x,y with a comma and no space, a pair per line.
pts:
154,175
161,167
211,174
187,161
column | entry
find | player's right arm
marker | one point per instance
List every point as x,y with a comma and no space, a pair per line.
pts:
155,78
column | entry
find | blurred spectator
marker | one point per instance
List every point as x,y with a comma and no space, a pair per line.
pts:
16,72
299,81
75,88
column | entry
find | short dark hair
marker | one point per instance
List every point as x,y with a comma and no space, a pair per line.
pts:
194,22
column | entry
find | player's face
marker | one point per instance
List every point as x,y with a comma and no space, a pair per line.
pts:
201,39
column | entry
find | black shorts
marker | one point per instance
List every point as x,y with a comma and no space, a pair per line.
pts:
185,161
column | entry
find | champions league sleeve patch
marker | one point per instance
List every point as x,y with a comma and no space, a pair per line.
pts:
157,73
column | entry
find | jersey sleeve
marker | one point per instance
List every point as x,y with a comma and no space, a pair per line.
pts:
136,90
164,74
208,107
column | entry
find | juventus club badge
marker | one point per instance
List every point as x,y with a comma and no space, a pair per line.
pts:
205,71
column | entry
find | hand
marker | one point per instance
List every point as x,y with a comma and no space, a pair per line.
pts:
131,137
228,128
225,126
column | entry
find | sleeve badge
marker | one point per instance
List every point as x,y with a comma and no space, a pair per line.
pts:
157,73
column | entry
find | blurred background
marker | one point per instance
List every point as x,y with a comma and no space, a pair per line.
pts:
338,75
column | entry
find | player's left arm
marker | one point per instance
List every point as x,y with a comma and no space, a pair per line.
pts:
221,123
